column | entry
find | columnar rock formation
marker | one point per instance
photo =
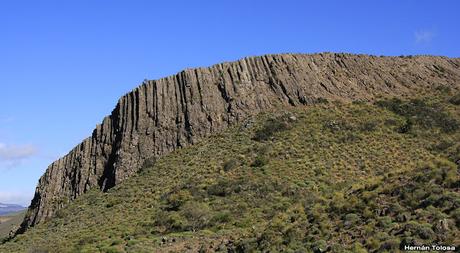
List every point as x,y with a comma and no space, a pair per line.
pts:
163,115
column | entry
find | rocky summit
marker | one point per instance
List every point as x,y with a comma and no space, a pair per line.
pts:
163,115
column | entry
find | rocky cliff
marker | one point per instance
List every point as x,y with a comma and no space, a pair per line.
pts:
162,115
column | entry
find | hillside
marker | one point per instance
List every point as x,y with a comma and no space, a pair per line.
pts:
163,115
10,222
338,176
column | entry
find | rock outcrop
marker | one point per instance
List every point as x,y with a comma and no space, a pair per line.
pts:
162,115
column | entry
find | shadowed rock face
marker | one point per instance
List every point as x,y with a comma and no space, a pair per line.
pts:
162,115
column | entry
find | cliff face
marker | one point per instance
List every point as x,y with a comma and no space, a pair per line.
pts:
163,115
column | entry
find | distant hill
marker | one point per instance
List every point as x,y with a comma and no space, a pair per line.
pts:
10,208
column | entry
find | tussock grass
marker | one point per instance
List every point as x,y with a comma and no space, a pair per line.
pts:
327,177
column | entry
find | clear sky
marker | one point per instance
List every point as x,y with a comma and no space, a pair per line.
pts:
64,64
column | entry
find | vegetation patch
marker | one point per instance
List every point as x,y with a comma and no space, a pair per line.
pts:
272,126
423,114
323,178
455,100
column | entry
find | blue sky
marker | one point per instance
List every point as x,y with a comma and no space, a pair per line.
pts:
64,64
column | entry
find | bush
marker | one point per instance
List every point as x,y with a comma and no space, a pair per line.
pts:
222,188
442,145
174,222
425,232
221,217
368,126
351,219
320,246
456,216
231,164
337,125
175,200
443,88
390,245
349,138
112,250
406,127
455,100
418,112
271,127
384,221
260,161
149,162
322,101
422,230
449,125
198,215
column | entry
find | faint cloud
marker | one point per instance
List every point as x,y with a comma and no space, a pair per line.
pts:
13,155
423,36
16,152
19,198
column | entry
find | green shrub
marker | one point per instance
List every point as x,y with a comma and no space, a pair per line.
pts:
368,126
221,217
222,188
322,101
86,239
373,243
406,127
349,138
422,230
176,199
351,219
456,216
149,162
337,125
173,221
442,145
112,250
319,246
390,245
448,125
425,232
455,100
231,164
419,112
443,89
112,202
359,248
116,242
384,221
198,215
272,126
260,161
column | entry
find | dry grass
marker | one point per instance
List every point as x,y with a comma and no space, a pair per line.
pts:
302,179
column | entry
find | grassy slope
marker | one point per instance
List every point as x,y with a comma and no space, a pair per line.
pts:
362,176
10,221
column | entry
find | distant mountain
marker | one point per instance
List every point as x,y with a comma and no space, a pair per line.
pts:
10,208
